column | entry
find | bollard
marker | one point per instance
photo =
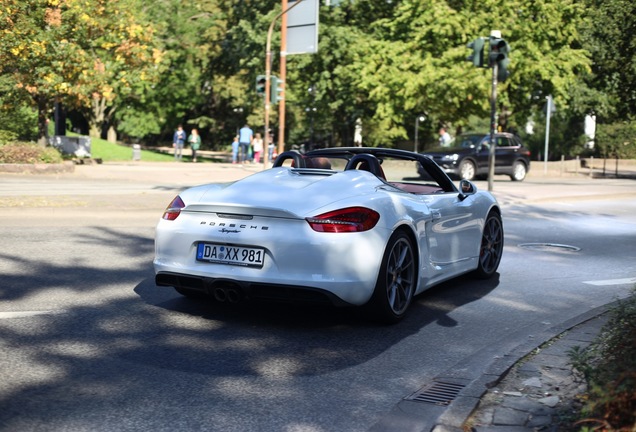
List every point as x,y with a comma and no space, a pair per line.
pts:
136,152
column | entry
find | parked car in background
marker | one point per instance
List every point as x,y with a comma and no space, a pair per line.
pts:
467,156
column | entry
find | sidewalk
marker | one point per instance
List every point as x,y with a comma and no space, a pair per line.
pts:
530,389
541,390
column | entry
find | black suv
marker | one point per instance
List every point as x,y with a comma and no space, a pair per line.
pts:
467,156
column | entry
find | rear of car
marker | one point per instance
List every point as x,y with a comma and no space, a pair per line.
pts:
226,243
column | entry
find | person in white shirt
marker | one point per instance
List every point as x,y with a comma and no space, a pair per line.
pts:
444,138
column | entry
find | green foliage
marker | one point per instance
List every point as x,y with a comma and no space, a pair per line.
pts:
81,53
20,120
146,69
617,140
609,367
28,153
566,136
608,35
7,136
138,123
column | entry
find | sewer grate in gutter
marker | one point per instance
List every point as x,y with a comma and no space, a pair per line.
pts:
549,247
438,393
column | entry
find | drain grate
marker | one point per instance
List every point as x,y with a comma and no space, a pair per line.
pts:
438,393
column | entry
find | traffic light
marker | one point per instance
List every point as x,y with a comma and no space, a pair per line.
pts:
477,57
260,85
276,89
498,55
502,71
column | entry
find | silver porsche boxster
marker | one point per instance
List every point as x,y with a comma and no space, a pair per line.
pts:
349,226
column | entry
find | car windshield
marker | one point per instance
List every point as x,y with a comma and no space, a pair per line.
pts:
467,141
407,174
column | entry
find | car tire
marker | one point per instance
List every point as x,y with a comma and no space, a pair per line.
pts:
519,171
467,170
396,282
491,248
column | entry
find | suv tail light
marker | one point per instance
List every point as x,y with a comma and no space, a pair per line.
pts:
350,219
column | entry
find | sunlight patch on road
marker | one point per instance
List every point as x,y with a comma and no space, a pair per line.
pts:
608,282
23,314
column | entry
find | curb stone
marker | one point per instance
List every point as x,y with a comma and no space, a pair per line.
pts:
530,395
39,168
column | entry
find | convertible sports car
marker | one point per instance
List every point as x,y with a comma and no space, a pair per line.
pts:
340,225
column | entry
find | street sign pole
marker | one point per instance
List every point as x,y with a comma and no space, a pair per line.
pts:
493,127
283,77
268,75
548,114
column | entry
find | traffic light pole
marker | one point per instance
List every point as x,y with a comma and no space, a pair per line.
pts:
283,77
268,75
493,127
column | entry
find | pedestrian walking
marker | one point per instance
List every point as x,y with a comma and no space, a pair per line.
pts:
257,145
246,135
178,140
235,149
195,142
270,146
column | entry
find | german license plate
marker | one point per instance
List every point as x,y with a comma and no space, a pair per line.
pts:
234,255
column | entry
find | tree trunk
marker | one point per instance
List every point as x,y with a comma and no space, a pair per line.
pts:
43,123
97,118
111,135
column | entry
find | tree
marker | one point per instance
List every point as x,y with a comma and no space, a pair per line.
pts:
408,57
80,53
608,34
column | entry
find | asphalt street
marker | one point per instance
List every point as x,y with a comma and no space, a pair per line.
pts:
88,342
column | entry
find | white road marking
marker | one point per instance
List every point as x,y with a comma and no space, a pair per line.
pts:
612,282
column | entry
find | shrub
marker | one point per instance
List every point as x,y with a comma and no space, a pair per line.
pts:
7,136
609,366
28,153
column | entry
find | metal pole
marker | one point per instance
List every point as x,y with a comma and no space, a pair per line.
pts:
417,123
418,119
283,77
268,74
493,126
548,114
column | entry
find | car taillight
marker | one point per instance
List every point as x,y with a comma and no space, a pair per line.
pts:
351,219
174,209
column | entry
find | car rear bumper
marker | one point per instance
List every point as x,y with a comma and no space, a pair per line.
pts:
233,290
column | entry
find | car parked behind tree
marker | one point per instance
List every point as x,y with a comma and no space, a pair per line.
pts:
467,156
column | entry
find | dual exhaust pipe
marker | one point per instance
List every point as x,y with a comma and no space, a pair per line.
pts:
223,294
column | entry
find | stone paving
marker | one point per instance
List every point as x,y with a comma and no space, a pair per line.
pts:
540,390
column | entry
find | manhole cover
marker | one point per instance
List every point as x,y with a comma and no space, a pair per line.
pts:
550,247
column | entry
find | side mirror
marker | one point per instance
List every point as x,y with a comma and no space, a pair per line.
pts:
466,188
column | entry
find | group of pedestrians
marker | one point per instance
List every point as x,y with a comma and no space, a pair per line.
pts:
179,141
246,147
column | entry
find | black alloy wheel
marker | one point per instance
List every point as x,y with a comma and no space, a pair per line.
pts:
396,281
491,249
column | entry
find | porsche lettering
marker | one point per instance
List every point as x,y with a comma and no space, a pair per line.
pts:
234,225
